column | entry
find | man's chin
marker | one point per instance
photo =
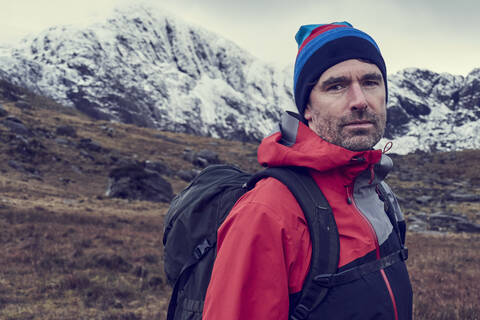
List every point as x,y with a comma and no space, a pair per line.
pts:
359,143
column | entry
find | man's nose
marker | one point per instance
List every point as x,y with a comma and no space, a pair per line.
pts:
357,98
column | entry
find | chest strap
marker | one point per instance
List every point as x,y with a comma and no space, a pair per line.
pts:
355,273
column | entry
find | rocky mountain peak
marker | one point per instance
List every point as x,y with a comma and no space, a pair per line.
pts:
144,66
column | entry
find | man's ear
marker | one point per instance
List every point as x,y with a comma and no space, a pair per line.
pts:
308,113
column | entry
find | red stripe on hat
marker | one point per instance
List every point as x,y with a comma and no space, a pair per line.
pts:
317,31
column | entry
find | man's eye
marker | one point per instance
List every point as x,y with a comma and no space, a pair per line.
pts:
371,83
335,87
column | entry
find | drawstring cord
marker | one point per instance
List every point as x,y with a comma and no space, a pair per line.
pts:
387,147
371,168
372,174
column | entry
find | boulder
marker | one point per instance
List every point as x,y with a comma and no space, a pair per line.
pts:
202,158
464,197
423,199
25,169
136,182
23,105
90,145
27,149
451,222
416,224
468,227
66,131
188,175
16,165
210,156
158,166
16,126
3,112
62,141
109,131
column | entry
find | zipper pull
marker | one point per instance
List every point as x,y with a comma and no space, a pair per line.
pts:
349,199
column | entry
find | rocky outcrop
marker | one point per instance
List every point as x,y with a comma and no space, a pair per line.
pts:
433,111
442,222
202,158
136,182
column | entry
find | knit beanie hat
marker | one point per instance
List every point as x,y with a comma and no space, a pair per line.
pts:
321,46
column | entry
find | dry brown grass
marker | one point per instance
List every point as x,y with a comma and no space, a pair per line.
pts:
107,264
81,265
445,275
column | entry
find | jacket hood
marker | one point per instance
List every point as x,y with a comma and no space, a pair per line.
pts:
295,144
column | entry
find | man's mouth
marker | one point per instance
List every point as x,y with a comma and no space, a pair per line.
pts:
359,124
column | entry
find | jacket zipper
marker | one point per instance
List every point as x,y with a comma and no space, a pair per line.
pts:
377,248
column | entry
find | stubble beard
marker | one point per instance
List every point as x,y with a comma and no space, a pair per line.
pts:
336,132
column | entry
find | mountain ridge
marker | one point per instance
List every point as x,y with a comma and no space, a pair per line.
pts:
145,67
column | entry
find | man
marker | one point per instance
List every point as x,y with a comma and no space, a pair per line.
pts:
264,248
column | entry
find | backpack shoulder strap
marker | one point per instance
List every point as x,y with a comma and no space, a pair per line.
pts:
396,218
322,227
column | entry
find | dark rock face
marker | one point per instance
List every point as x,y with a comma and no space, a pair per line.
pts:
136,182
397,120
435,111
7,90
413,108
469,95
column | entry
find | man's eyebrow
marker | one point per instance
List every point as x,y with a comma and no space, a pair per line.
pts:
342,79
372,76
334,80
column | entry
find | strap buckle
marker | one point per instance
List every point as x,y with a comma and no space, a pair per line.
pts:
202,249
301,312
325,280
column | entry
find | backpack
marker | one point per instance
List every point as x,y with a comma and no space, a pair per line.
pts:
190,236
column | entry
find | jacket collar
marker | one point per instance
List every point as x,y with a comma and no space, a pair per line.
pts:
295,144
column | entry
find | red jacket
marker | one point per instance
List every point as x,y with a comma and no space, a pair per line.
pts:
264,249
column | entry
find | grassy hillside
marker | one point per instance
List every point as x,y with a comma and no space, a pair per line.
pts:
70,252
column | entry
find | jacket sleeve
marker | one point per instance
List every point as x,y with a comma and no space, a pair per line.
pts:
260,261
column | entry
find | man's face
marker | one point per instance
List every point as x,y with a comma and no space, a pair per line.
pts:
347,105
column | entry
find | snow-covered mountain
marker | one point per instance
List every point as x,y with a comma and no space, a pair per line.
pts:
430,111
147,67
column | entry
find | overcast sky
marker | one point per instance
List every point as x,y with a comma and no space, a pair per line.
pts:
440,35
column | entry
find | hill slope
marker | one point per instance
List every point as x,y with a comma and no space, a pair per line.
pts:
70,252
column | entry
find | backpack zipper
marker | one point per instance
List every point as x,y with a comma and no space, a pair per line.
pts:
377,247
